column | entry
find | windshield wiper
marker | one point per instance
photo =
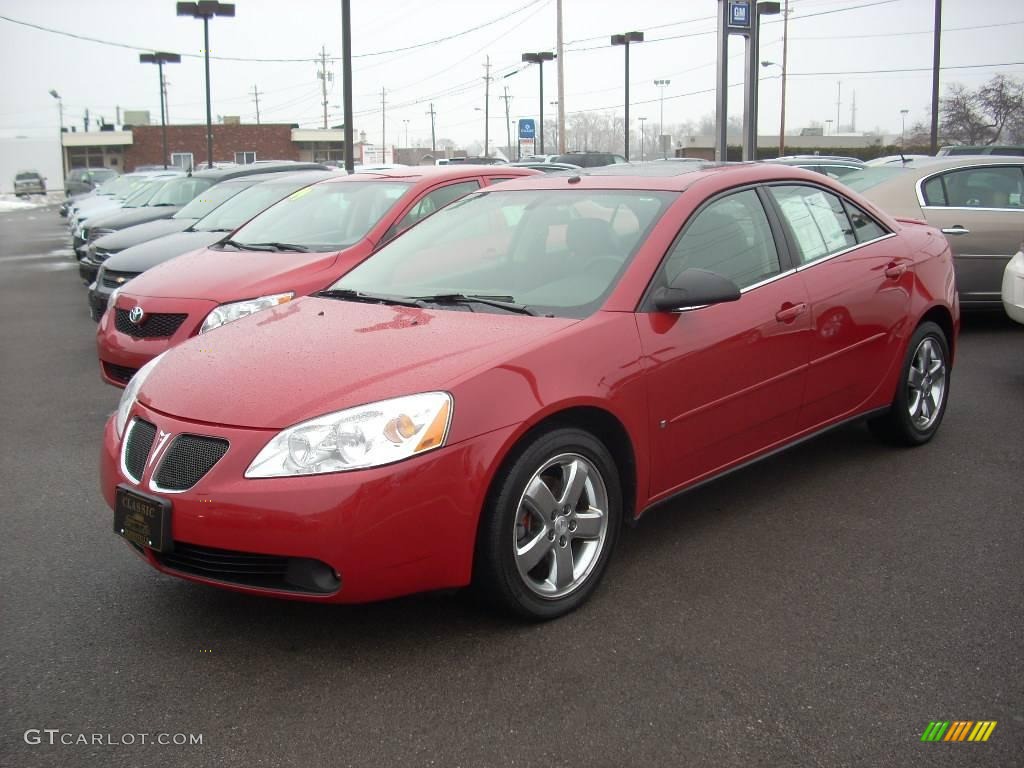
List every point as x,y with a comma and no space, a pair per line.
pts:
369,298
279,247
501,302
243,246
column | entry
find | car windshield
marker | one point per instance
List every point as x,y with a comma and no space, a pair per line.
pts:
26,177
120,185
324,217
555,251
143,193
866,178
209,200
180,191
246,204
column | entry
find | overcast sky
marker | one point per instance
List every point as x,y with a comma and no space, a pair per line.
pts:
825,37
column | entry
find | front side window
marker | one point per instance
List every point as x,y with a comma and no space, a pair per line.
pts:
816,219
180,191
730,237
990,187
556,251
433,201
325,217
209,199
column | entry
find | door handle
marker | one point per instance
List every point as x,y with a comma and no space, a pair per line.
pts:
895,270
956,229
790,312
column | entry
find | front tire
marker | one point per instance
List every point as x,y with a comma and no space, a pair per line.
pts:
550,526
922,393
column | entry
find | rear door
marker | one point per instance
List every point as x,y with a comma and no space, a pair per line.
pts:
980,209
726,381
858,279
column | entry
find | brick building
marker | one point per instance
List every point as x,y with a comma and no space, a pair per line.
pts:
142,145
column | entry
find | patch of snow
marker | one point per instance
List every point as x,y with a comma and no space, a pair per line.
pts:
9,202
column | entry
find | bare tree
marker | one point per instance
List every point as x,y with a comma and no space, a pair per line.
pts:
981,117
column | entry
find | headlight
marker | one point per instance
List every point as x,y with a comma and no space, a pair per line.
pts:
130,392
112,300
228,313
357,438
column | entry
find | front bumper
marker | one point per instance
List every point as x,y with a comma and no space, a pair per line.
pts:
1013,287
388,531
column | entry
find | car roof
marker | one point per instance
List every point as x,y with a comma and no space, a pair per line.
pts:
924,166
431,173
816,160
670,177
291,175
269,166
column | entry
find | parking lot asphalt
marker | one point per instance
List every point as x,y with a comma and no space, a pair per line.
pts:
820,608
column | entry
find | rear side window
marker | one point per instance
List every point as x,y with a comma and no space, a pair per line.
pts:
987,187
864,227
816,219
934,192
731,237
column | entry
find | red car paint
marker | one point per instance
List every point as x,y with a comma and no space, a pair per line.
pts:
195,283
695,393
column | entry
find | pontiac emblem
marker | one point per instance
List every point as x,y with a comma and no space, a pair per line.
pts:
136,314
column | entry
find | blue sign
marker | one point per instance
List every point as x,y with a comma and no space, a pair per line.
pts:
739,14
527,129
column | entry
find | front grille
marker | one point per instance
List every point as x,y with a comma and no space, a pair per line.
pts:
293,574
187,460
136,447
154,326
97,232
112,279
121,373
101,254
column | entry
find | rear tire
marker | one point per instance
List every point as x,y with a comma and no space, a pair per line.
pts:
922,392
550,526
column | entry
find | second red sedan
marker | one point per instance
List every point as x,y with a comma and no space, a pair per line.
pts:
577,349
293,248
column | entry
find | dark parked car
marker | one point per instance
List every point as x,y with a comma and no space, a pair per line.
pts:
491,395
29,183
1009,150
174,196
588,159
246,197
81,180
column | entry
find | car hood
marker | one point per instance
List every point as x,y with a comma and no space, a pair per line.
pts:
227,275
314,355
140,233
129,217
139,258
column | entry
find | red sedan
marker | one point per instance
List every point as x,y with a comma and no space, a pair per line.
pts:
577,350
298,246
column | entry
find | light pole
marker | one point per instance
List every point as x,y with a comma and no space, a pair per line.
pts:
903,127
406,133
160,59
828,126
642,121
205,10
661,119
60,111
624,40
539,58
782,109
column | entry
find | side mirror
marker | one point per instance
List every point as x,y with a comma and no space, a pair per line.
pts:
695,288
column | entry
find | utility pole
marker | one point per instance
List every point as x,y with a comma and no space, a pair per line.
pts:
433,137
487,105
256,97
166,100
508,128
324,76
117,121
853,113
406,133
85,120
642,126
560,58
661,125
785,57
383,122
935,77
839,101
346,81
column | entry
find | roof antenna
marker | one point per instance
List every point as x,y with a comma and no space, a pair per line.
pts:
902,158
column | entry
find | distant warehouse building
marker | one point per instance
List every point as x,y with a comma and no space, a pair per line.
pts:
142,145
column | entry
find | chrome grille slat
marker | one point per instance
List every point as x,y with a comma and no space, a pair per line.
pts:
137,445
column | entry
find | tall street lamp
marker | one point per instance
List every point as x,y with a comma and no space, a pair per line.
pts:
642,121
782,109
539,58
903,127
160,59
624,40
206,10
60,111
662,84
